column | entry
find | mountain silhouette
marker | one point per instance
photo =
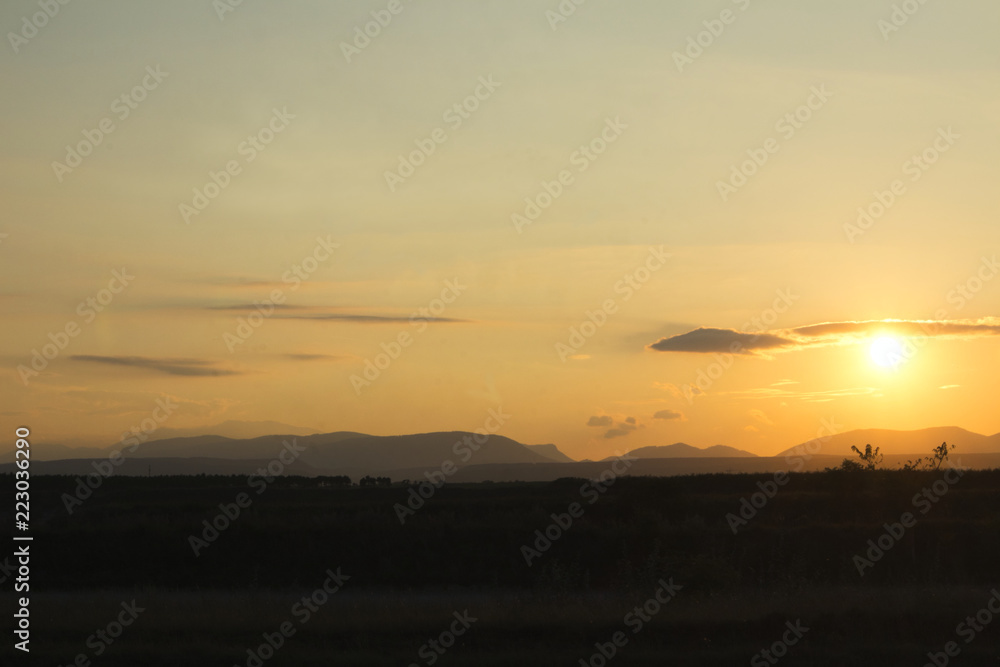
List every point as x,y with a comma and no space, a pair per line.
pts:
476,457
682,450
551,452
919,442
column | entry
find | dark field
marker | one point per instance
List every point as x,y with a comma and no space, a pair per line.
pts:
462,551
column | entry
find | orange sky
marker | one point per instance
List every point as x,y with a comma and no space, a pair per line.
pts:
501,208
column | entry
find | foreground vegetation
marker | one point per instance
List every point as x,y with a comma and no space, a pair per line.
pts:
793,557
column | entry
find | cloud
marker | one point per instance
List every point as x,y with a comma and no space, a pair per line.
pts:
251,307
671,388
287,311
312,357
622,428
705,340
759,415
708,341
808,396
368,319
600,421
668,414
184,367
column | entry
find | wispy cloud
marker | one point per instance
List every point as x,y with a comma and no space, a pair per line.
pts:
808,396
254,307
369,319
313,357
183,367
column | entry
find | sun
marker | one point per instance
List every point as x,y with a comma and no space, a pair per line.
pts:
887,352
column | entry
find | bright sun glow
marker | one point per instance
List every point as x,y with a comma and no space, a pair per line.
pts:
887,352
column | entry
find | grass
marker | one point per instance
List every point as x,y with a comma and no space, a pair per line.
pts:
179,627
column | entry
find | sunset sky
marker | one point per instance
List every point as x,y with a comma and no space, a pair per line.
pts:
625,143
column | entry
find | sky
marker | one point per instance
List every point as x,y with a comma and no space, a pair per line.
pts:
619,223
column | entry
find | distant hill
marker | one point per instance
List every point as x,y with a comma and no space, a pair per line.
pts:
216,446
917,443
342,452
166,466
235,429
551,452
425,450
80,449
43,451
681,450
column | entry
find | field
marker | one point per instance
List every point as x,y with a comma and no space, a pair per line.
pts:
465,550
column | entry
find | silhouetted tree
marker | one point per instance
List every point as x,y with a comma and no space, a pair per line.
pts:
938,456
870,459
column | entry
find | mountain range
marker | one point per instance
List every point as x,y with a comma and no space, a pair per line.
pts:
463,456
